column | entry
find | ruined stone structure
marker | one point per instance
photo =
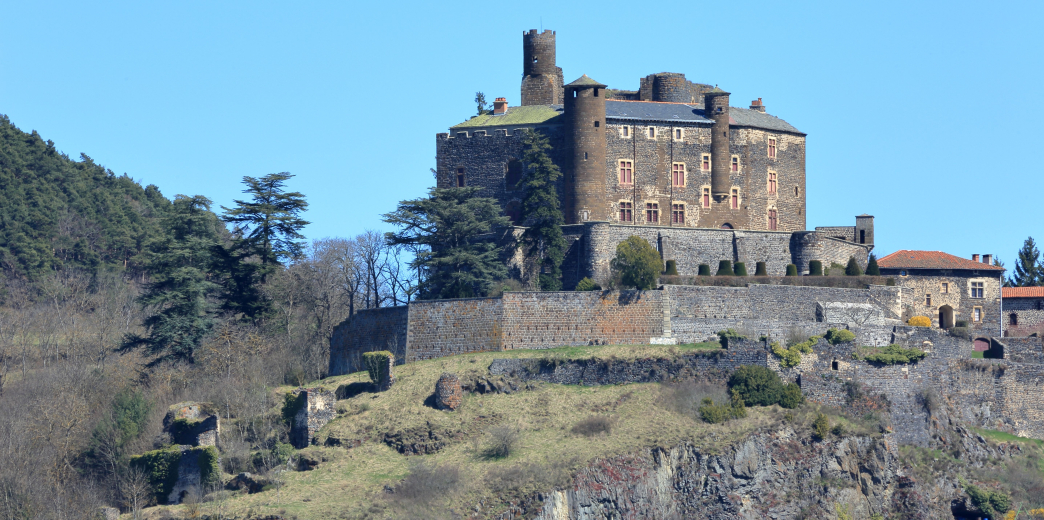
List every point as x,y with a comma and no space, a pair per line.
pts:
315,409
948,288
193,424
1023,311
671,158
448,393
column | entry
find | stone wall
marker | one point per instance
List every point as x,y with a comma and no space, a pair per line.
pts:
316,408
440,328
366,331
1029,316
813,245
1022,350
957,295
555,319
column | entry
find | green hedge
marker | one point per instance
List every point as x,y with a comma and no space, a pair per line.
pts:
587,284
896,355
740,269
377,365
725,268
703,270
161,467
672,268
835,336
853,269
760,269
792,270
815,268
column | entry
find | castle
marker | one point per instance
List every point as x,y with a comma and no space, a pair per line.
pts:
671,162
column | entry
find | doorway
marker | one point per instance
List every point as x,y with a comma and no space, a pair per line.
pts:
946,317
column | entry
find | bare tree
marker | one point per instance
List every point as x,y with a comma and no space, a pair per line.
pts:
135,490
373,254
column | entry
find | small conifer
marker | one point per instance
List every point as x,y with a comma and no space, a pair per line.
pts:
740,269
852,269
871,266
704,270
725,269
815,268
791,270
760,269
672,268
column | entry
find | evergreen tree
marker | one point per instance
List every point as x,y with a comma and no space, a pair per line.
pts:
541,211
852,269
178,293
480,100
269,224
444,229
1028,269
638,263
871,266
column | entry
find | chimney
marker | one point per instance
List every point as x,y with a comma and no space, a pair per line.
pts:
975,258
499,106
987,259
757,105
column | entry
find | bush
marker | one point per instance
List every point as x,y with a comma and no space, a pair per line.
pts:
292,404
871,266
894,354
815,268
792,270
961,323
788,357
713,413
740,269
209,469
988,501
853,269
727,334
820,427
756,385
637,262
760,269
593,425
919,321
835,336
704,270
687,396
791,396
587,284
725,268
672,268
503,441
377,365
161,468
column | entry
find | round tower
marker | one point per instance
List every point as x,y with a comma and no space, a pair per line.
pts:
542,79
585,113
671,87
716,107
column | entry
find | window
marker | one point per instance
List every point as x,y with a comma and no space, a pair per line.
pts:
735,198
705,162
976,289
772,183
626,172
625,132
1013,320
652,132
735,163
946,287
927,299
795,191
597,124
773,220
460,177
706,197
834,365
625,212
678,134
514,174
862,236
677,213
772,147
902,273
652,212
977,314
585,156
678,175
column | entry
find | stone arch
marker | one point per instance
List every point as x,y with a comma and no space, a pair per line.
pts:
726,226
946,317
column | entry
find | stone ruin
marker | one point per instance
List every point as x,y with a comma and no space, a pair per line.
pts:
315,409
448,393
193,424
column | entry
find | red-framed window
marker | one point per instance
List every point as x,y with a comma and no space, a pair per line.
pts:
706,197
678,175
652,212
772,148
735,164
735,198
773,220
772,183
626,172
705,162
626,209
677,213
460,177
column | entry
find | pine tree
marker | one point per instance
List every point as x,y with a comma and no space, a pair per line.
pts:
1028,269
541,211
179,291
852,269
269,225
871,266
443,228
480,100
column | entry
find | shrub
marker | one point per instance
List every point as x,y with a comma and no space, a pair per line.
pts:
593,425
704,270
890,282
894,354
835,336
714,413
961,323
961,332
503,441
587,284
853,269
760,269
161,468
838,430
871,266
292,404
756,385
377,365
988,501
792,270
791,396
687,396
788,357
815,268
725,269
919,321
672,268
209,470
637,262
727,334
820,427
738,407
740,269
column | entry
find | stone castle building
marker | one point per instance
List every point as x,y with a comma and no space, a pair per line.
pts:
1023,310
672,161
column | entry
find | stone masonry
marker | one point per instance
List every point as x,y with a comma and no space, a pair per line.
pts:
316,409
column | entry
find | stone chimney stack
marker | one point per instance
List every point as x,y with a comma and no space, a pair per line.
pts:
975,258
500,106
757,105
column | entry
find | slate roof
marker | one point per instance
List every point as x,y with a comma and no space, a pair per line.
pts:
585,81
526,115
1022,292
654,111
906,259
746,117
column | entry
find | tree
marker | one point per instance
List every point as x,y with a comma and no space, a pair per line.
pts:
480,100
638,263
1028,269
446,230
541,212
852,269
179,290
269,224
871,266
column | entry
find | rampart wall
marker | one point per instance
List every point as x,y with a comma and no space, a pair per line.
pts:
366,331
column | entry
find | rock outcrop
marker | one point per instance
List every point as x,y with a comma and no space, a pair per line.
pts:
448,393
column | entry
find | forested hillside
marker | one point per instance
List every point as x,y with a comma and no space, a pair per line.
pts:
56,212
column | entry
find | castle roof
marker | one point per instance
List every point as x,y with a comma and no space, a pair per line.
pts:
654,111
585,81
906,259
516,116
1022,292
753,118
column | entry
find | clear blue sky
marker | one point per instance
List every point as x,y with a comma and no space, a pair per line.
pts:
926,116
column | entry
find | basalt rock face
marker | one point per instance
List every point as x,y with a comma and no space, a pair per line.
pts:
778,474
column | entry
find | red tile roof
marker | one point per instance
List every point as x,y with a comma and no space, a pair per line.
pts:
1022,292
905,259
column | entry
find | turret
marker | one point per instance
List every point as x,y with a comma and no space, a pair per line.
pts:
716,103
542,79
585,113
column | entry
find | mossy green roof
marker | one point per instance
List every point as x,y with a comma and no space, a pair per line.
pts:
515,116
585,81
